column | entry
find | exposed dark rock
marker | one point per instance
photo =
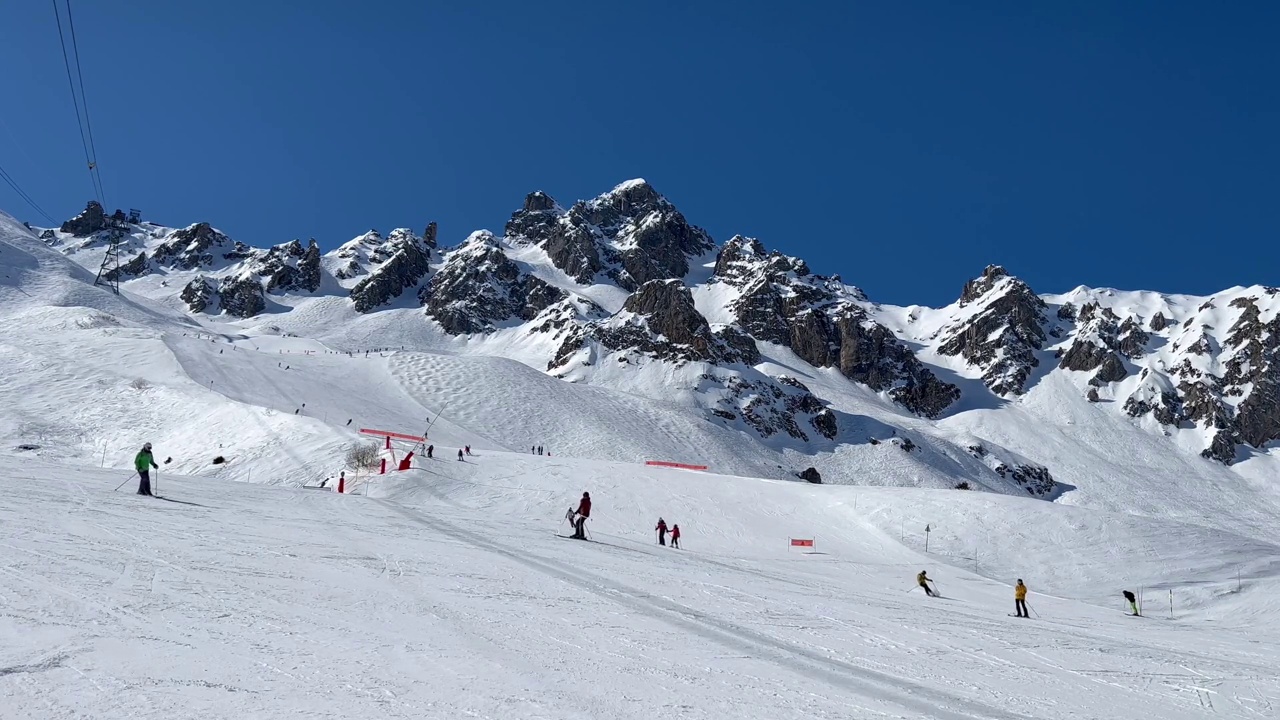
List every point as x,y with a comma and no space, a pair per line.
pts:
1133,340
824,421
407,262
198,295
1092,395
1222,448
1158,322
309,268
963,485
429,236
134,268
241,297
195,246
91,220
1002,338
810,474
632,234
1111,370
1067,312
480,286
1036,480
1165,407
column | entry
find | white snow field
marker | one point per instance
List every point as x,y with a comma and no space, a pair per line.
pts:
443,592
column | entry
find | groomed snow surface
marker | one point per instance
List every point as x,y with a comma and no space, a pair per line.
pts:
443,592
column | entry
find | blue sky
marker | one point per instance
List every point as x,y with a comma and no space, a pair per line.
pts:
904,145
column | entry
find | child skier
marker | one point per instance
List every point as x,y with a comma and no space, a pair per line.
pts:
675,536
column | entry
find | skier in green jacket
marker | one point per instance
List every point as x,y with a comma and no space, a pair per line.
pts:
143,464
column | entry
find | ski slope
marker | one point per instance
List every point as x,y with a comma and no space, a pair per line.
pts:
445,593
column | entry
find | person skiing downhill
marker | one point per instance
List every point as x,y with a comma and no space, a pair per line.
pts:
580,520
430,450
143,464
675,536
1020,599
924,581
662,531
460,455
1133,602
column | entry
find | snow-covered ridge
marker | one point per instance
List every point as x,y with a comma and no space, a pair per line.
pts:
559,288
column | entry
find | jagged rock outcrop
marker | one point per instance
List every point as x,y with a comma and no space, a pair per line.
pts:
1002,337
242,297
659,320
287,267
197,246
479,286
399,263
631,234
810,474
1100,341
1158,322
819,318
134,268
199,295
90,220
771,406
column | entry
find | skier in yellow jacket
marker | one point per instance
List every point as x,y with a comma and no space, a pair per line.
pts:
924,581
1020,599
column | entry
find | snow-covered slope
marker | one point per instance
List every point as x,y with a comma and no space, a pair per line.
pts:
441,591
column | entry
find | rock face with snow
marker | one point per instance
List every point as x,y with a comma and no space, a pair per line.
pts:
660,321
479,287
93,219
631,235
397,264
822,321
616,290
1003,331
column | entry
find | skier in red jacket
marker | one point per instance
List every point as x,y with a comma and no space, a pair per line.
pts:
584,512
662,531
675,536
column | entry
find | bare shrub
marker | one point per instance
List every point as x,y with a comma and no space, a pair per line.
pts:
362,455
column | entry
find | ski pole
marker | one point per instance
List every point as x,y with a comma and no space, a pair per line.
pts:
123,483
1034,611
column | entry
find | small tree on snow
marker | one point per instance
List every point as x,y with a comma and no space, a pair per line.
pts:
362,455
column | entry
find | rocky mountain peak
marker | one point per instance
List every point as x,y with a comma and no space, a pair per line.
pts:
630,235
198,246
396,264
90,220
983,284
538,201
479,287
1002,334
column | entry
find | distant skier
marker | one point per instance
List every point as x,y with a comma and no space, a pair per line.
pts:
1020,599
1133,601
460,456
468,449
539,449
143,464
533,449
675,536
430,450
662,531
924,581
348,422
580,520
